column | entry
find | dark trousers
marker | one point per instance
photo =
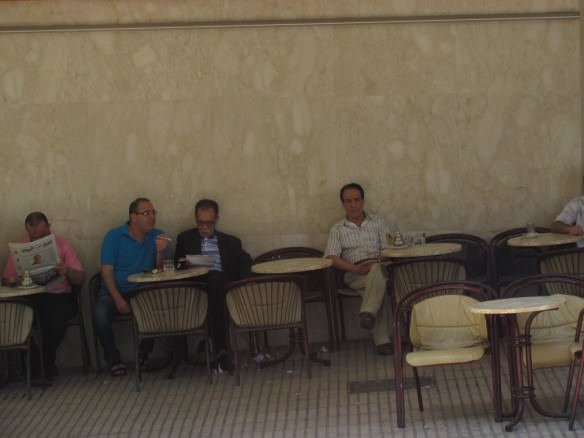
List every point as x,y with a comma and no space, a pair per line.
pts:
54,310
216,281
104,313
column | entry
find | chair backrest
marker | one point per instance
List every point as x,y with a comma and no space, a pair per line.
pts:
16,319
172,307
439,318
508,261
557,324
409,275
267,301
565,261
475,253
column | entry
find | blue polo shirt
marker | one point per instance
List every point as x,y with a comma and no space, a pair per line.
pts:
127,255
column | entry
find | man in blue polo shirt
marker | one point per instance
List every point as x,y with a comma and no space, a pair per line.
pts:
133,247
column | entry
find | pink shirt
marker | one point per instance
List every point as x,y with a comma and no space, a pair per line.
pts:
67,255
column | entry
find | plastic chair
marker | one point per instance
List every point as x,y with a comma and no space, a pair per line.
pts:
169,309
17,318
442,331
267,303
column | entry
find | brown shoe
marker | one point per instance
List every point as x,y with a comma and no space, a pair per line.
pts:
384,349
366,320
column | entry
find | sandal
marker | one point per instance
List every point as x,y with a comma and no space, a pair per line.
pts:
118,370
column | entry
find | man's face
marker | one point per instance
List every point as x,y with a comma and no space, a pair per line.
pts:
144,218
38,231
353,203
206,222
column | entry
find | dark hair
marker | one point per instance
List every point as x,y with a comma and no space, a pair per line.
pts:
354,186
134,204
206,204
35,217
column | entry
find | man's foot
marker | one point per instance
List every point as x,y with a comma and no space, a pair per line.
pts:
384,349
118,370
366,320
223,362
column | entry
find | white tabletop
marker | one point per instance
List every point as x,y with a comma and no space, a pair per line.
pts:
543,239
181,274
16,292
289,266
507,306
425,250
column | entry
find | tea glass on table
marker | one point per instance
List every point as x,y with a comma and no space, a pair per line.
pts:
168,265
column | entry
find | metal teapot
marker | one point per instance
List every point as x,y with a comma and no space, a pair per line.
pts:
395,239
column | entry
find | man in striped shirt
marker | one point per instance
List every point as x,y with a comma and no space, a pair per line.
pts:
354,245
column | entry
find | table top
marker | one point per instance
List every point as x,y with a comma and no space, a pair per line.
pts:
425,250
543,239
17,292
507,306
289,266
181,274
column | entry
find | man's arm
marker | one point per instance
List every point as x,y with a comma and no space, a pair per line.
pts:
107,275
561,227
345,265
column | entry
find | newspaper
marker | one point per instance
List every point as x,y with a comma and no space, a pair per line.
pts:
39,258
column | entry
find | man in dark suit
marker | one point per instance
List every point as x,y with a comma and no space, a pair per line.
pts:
230,263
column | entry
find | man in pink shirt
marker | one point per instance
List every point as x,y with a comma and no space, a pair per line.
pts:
58,305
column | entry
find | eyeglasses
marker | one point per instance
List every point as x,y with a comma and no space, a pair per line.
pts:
205,223
147,213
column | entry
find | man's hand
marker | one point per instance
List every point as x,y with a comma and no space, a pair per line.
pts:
162,242
575,230
362,268
61,269
122,306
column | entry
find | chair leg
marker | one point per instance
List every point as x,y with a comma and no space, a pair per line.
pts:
399,383
569,385
572,416
306,350
207,356
84,346
342,318
233,336
418,389
98,366
137,362
28,365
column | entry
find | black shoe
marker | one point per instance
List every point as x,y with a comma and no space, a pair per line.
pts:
223,362
366,320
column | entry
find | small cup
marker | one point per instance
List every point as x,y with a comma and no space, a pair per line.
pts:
168,265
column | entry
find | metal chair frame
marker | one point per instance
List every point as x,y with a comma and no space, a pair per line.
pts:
79,320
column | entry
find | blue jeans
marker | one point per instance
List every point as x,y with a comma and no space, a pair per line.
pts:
104,313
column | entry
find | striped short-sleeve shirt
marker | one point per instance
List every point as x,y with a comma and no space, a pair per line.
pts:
573,214
355,243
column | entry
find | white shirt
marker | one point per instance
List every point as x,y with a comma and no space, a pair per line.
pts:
573,214
355,243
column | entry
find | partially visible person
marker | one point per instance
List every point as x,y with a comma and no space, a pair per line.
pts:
230,263
128,249
354,245
59,304
571,218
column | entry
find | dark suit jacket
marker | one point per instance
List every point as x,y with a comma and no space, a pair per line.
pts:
236,262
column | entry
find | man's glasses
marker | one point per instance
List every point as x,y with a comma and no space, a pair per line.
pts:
205,223
147,213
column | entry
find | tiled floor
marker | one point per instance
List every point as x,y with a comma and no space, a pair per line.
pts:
275,402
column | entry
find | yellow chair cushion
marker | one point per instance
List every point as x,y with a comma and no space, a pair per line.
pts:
424,358
551,354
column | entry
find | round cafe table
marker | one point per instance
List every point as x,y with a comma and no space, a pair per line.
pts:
301,265
181,274
509,308
425,250
543,240
18,292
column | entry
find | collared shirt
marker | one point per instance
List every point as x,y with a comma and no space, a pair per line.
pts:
127,255
355,243
210,247
573,214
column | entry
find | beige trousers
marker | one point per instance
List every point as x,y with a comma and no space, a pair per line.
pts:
372,288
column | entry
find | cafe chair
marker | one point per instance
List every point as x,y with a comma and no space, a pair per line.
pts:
576,354
79,321
564,261
169,309
17,328
271,302
511,263
94,288
475,253
552,333
315,287
407,275
441,330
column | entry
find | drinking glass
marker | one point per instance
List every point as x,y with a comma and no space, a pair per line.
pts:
168,265
530,229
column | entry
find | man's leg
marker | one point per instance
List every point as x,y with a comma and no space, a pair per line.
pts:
216,295
375,300
103,315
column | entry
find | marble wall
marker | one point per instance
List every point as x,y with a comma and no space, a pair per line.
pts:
472,127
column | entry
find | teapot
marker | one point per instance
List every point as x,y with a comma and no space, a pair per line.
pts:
395,239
